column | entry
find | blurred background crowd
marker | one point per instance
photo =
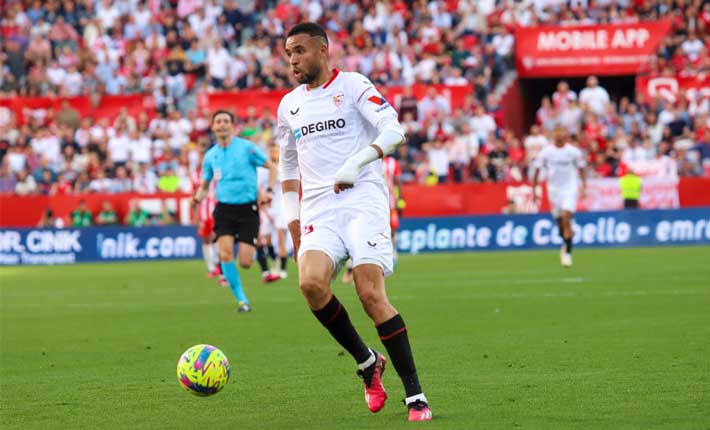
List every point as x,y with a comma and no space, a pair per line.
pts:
176,50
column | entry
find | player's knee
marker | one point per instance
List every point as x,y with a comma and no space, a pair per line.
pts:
314,290
226,256
245,264
372,301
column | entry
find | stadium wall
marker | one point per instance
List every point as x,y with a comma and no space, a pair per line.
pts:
422,201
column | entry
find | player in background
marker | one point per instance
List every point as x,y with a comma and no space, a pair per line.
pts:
232,164
392,173
273,223
333,130
264,244
564,164
202,214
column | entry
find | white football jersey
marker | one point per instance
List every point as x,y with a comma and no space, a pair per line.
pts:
561,165
262,175
327,125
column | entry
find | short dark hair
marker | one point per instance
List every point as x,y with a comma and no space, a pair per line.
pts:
310,28
222,111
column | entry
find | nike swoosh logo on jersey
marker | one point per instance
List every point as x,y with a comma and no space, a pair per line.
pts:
294,112
372,244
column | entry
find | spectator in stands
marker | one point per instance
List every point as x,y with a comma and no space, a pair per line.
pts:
562,98
431,105
483,124
499,160
483,171
169,181
136,216
61,186
68,116
594,96
45,181
8,180
100,184
107,216
408,104
164,217
121,183
25,184
81,216
82,183
49,220
218,60
438,160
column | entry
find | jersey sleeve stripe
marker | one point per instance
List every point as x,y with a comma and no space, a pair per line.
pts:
363,93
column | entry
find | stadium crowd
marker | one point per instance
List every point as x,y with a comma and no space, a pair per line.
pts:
175,49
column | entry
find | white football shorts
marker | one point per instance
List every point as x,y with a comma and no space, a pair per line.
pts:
562,199
354,224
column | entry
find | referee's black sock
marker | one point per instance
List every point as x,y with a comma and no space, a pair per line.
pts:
284,260
272,253
261,258
334,317
393,334
568,245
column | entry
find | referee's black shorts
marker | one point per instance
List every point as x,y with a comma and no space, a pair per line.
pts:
240,221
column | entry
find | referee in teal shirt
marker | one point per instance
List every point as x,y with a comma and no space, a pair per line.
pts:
232,163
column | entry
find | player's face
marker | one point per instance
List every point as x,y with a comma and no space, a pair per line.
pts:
222,125
304,56
559,135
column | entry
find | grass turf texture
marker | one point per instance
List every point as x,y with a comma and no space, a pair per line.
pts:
502,340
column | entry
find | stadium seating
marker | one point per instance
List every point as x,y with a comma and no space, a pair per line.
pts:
169,57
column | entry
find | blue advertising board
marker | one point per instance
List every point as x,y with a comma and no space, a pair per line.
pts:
539,231
416,235
97,244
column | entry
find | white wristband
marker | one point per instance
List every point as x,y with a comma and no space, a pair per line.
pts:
291,206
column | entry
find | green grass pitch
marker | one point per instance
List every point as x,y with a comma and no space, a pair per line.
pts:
502,341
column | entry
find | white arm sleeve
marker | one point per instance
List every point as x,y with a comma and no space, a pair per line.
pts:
389,138
288,160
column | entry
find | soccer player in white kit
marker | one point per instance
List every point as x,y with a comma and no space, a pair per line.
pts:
333,131
564,164
272,224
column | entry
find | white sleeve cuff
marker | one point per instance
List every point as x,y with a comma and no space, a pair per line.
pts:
291,206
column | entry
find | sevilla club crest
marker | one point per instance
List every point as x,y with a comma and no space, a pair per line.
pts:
338,100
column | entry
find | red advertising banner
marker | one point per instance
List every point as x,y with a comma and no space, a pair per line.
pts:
422,201
108,106
656,193
240,101
579,50
26,211
695,88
